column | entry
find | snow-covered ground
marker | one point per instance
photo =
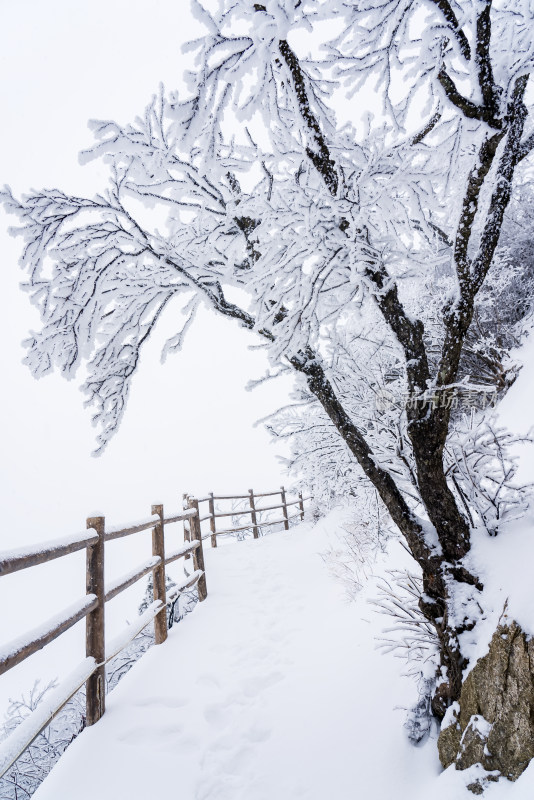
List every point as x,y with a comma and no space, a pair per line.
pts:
271,688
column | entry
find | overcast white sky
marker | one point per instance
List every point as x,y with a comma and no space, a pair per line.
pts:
188,426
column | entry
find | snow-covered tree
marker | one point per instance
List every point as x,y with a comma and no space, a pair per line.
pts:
182,604
334,230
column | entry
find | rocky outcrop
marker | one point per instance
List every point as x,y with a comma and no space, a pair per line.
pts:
493,724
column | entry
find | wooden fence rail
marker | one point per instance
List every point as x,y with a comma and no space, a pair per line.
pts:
252,509
92,607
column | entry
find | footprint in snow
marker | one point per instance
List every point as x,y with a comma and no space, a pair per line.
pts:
253,686
257,734
220,714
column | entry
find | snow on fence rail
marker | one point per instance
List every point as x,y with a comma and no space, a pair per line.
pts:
92,670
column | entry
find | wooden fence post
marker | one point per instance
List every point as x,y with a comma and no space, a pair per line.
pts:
198,552
95,642
284,508
212,521
187,528
254,521
158,581
301,506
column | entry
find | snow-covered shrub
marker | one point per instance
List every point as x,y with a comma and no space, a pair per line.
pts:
480,465
358,541
411,637
182,604
23,778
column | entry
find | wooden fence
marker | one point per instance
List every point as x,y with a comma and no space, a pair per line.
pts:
253,510
91,671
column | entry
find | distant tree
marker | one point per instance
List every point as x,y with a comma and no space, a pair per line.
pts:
332,230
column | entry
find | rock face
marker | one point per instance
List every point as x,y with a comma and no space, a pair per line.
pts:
494,724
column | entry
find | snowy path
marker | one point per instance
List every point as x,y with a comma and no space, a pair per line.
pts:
271,689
